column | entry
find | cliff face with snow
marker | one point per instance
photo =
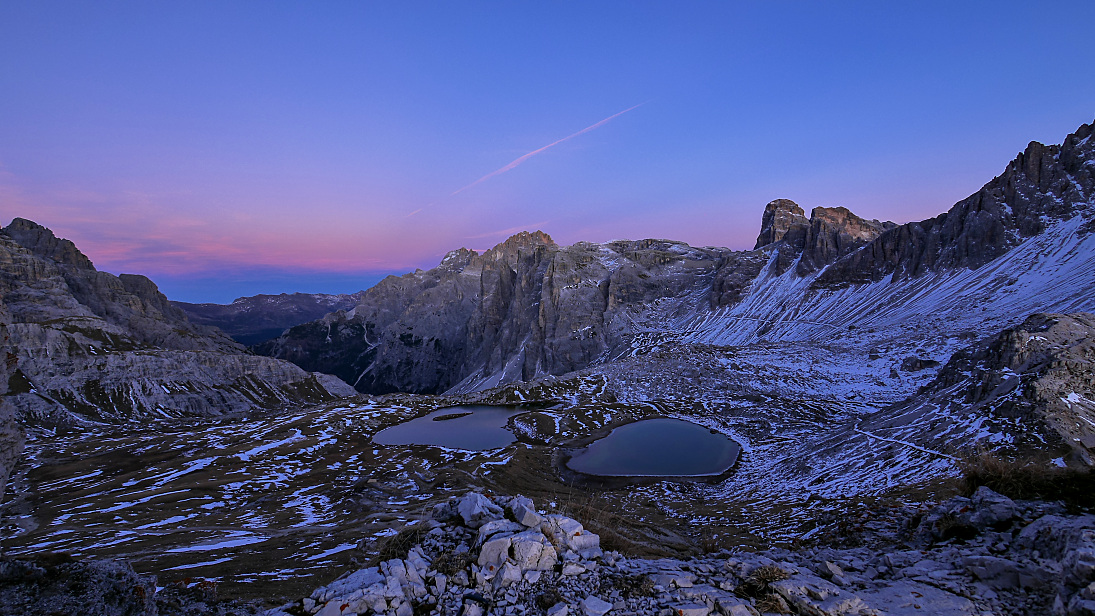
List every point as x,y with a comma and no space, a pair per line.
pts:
529,308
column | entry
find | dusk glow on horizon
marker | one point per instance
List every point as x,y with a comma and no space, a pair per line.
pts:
228,149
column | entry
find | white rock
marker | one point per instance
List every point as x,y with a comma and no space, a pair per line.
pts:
559,529
573,569
507,574
392,589
829,569
497,527
524,512
906,598
417,560
532,551
476,510
494,552
472,609
992,508
333,608
594,606
559,609
347,584
440,581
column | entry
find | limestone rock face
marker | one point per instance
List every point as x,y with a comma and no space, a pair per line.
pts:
833,233
83,344
783,221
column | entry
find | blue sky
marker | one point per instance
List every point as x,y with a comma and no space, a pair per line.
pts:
231,148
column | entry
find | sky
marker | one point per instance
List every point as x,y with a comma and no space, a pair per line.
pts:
231,148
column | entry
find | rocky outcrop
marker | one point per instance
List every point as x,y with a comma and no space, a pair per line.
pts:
84,344
1012,558
829,233
256,319
1040,374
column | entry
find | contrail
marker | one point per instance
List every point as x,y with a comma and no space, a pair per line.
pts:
525,157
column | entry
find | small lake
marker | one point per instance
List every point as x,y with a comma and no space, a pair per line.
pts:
473,428
661,447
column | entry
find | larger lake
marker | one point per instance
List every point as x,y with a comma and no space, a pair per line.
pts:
660,447
474,428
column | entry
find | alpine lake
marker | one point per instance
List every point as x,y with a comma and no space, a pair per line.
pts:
650,447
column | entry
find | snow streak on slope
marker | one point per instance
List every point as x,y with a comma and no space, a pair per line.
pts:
1051,272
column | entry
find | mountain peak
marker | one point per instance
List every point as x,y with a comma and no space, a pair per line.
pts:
782,219
524,240
42,242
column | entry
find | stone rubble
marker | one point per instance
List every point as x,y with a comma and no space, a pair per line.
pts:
498,556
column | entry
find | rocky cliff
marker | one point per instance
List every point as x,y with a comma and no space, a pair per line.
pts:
85,344
530,308
255,319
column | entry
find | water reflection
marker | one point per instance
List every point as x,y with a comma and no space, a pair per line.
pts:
473,428
660,447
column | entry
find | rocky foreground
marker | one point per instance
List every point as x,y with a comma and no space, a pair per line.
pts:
981,555
495,555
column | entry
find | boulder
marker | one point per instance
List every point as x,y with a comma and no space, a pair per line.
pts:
595,606
813,595
476,510
494,552
532,551
691,609
521,510
992,509
497,527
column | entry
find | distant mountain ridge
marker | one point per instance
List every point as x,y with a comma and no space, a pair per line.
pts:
255,319
529,308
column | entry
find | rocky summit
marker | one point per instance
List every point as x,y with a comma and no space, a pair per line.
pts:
913,406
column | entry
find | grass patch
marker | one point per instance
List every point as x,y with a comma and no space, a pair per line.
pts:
756,585
400,544
1029,480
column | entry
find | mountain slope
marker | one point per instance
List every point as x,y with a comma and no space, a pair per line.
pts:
88,345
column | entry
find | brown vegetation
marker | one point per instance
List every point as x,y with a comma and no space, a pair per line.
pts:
1029,480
